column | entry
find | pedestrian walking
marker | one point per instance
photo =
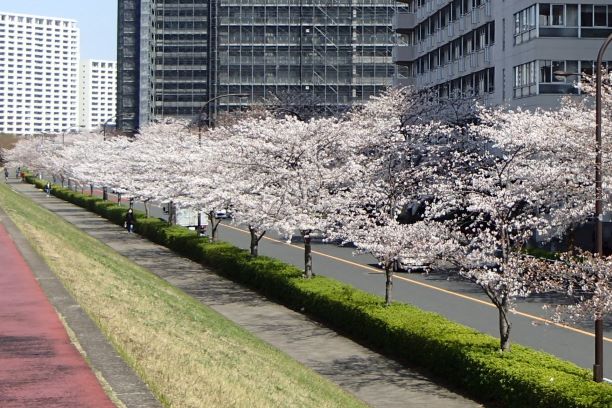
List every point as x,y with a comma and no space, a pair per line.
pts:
6,173
17,172
48,189
129,221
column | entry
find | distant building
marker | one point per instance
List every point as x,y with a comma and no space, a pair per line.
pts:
97,94
38,74
506,51
174,57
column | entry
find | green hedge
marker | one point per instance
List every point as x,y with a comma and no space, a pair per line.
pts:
457,354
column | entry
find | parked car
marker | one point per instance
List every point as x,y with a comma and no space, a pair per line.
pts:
223,214
405,265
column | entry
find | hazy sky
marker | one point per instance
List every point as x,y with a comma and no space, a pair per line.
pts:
97,20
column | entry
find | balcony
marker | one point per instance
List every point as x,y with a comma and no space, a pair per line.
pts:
400,81
403,53
403,22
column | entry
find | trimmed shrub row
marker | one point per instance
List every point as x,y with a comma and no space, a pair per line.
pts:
459,355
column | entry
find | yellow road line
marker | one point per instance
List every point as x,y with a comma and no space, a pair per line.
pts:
432,287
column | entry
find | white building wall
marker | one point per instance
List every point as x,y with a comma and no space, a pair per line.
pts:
519,56
38,74
97,94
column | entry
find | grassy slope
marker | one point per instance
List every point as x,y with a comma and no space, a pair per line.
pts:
187,353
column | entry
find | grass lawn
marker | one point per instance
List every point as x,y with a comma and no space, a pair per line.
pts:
188,354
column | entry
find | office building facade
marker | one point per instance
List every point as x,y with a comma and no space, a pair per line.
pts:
97,94
174,56
505,51
38,74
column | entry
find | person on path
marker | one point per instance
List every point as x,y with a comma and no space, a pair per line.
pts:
17,172
6,174
129,221
48,189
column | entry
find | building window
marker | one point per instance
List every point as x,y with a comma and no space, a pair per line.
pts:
558,20
524,25
586,15
550,83
525,82
595,20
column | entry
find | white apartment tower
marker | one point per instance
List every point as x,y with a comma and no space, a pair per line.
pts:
97,94
509,51
38,74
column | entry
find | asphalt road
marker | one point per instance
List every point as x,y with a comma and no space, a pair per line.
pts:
450,296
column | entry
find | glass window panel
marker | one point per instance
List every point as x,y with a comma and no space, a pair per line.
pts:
601,16
517,23
571,67
557,14
586,67
544,14
532,17
571,15
586,15
558,66
545,74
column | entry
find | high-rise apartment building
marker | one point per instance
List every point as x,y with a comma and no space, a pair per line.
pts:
174,57
97,94
507,51
38,74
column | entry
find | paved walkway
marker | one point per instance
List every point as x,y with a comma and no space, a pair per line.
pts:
39,366
371,377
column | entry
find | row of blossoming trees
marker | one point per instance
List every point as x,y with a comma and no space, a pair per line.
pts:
486,180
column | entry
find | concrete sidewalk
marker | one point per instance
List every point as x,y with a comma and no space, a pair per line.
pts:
375,379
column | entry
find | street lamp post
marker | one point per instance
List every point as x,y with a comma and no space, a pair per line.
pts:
106,123
208,123
104,188
69,131
208,119
598,366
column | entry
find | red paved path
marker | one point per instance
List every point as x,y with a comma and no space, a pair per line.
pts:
39,367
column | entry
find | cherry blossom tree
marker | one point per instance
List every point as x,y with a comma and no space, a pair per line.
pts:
526,173
420,243
392,154
257,202
295,168
584,277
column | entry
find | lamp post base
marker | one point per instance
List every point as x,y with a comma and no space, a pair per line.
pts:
597,373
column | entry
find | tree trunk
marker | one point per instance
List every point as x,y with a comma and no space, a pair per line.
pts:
213,226
255,240
105,193
171,213
504,326
146,207
389,283
91,190
307,254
